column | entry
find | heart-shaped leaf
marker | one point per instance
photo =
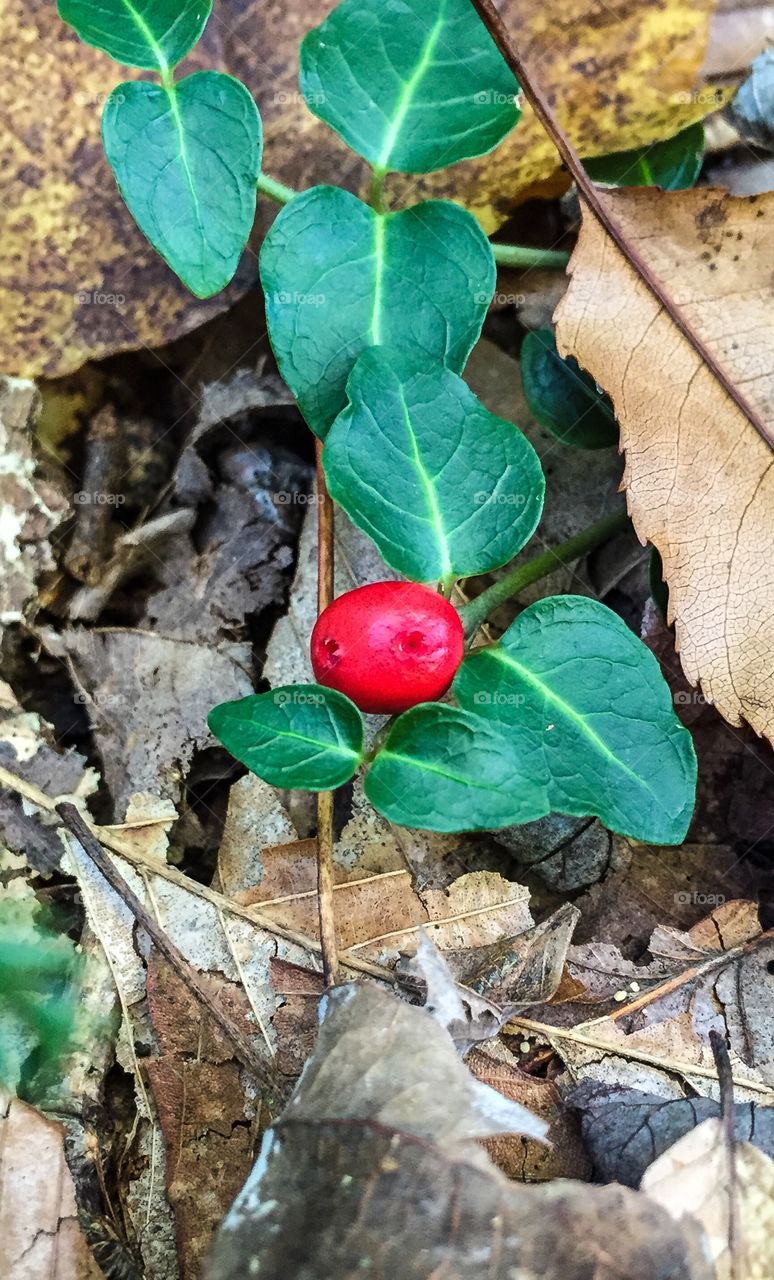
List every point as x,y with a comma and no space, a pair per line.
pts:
443,769
466,488
411,85
300,736
339,277
186,158
563,397
154,34
589,719
673,164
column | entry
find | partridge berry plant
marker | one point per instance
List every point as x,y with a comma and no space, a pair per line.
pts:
372,315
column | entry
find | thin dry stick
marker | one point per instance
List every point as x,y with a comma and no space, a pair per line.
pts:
590,194
185,970
577,1035
253,915
325,903
728,1113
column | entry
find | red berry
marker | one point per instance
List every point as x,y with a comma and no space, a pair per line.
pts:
388,646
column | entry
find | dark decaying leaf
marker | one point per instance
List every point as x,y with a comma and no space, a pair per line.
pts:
625,1130
372,1172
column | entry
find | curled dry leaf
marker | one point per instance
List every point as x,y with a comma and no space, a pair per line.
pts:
372,1171
699,478
39,1231
697,1179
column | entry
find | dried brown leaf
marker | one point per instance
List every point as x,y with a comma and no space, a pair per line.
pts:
699,479
39,1231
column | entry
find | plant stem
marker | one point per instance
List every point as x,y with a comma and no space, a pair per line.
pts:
275,190
524,575
376,195
325,904
518,255
600,206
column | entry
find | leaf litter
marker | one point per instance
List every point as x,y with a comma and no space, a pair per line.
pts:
570,979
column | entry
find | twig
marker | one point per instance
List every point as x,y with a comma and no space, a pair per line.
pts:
617,1049
591,195
253,915
728,1114
185,970
325,553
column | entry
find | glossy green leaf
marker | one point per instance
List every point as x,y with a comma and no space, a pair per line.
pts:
339,278
154,34
465,488
589,718
411,85
673,165
443,769
562,397
299,736
186,159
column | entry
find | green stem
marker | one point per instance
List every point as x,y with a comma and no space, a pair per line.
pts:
275,190
517,255
524,575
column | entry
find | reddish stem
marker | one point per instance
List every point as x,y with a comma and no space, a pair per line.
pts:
325,554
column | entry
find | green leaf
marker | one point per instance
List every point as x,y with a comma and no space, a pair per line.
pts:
154,34
300,736
465,488
186,158
442,769
589,718
562,397
672,165
411,85
339,277
40,1003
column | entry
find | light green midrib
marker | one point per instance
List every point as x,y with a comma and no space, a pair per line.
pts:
416,763
569,711
348,752
429,488
407,93
145,30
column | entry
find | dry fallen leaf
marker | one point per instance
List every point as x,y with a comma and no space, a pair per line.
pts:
30,506
699,479
694,1179
626,73
39,1231
371,1171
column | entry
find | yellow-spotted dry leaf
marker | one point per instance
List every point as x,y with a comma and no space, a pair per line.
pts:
79,281
699,478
